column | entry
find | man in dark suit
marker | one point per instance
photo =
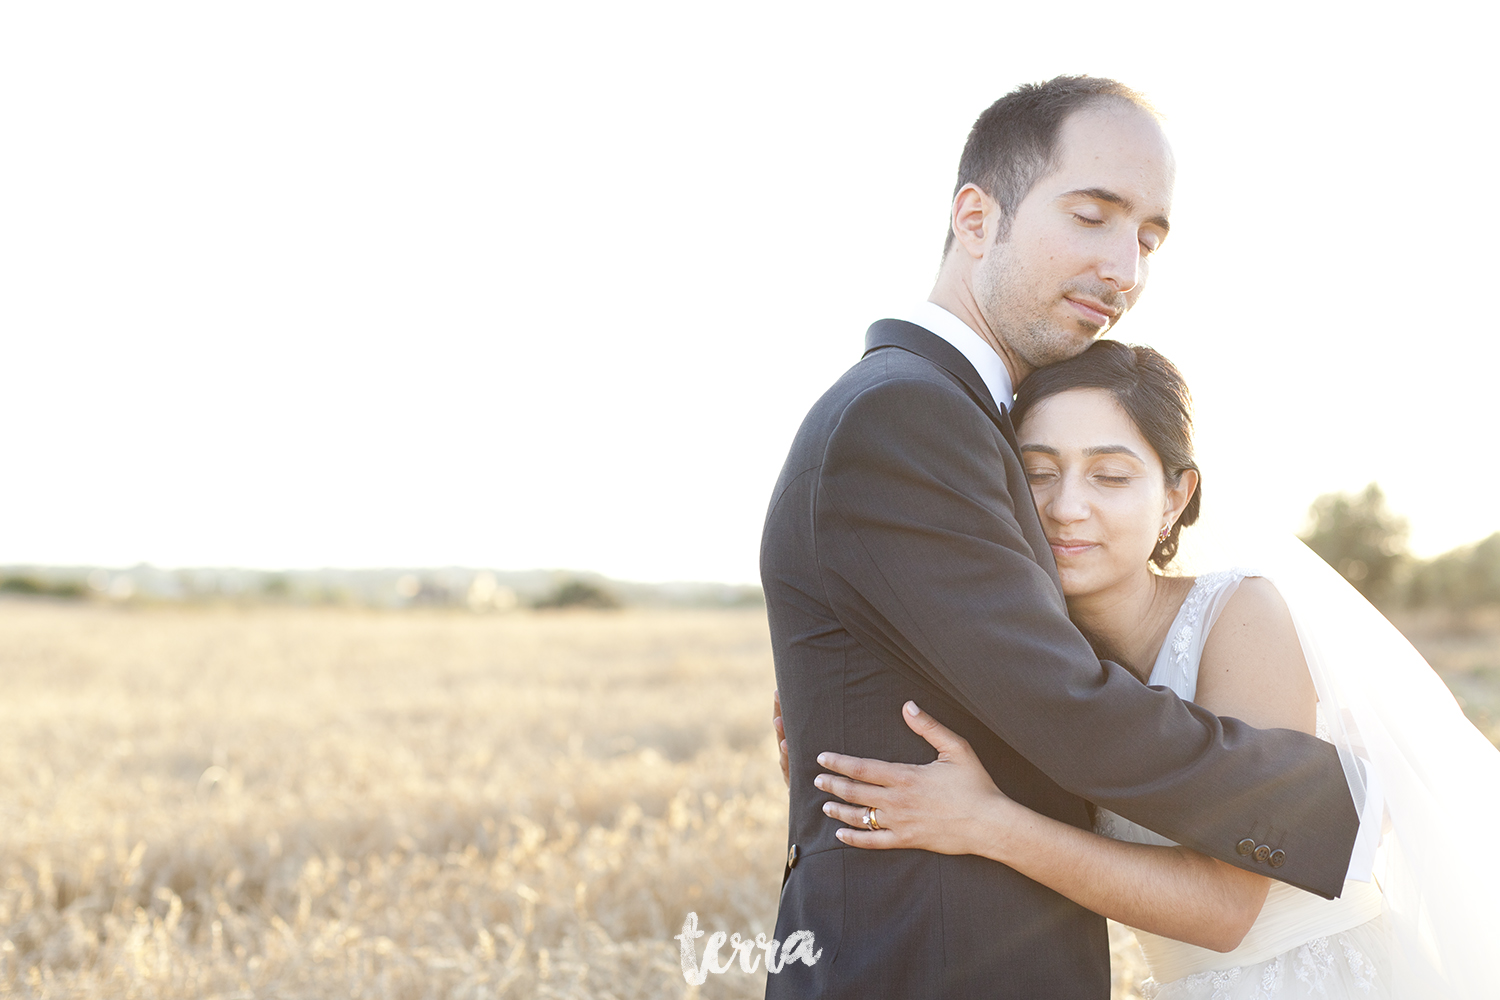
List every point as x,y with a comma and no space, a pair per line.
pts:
903,559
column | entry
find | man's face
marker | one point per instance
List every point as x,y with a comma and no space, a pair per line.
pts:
1075,257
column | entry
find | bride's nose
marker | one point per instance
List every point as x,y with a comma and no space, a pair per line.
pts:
1067,504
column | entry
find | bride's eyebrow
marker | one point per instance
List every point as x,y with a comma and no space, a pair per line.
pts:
1112,449
1098,449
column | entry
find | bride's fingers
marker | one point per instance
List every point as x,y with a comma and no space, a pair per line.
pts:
873,772
856,792
943,739
856,834
873,840
852,814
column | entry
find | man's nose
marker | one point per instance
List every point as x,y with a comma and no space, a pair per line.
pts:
1121,264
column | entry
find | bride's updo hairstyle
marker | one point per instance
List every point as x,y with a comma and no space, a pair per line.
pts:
1151,391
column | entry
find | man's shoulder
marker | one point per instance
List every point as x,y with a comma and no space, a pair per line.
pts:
891,398
904,409
892,374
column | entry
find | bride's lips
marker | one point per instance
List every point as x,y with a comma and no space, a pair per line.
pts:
1094,312
1070,546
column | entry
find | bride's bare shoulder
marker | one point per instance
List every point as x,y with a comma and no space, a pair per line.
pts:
1253,668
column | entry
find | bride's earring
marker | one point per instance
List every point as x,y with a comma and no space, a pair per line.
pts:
1164,533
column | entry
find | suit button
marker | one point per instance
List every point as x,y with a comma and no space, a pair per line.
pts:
792,855
1262,853
1278,858
1244,847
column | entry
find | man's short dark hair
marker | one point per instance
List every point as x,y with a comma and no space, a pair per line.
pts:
1014,143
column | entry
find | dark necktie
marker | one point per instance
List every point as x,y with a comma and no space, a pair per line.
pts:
1008,429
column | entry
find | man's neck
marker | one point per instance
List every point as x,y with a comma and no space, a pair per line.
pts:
991,369
957,297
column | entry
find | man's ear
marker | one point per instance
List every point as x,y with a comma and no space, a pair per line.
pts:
975,215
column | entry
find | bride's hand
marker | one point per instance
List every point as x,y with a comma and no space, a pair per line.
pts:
947,806
780,727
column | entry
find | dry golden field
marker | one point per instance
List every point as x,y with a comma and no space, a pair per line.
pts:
292,803
1465,650
297,803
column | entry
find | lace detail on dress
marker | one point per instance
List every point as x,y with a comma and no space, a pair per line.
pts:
1314,963
1107,824
1362,967
1209,985
1271,980
1337,967
1192,612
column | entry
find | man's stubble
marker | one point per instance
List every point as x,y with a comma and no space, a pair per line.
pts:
1018,311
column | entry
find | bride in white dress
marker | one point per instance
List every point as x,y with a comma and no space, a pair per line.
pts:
1106,443
1333,948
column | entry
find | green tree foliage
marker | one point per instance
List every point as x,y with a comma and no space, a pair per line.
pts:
1358,536
1465,578
34,587
579,594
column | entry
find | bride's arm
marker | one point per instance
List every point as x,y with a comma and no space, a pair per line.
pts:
952,807
1250,669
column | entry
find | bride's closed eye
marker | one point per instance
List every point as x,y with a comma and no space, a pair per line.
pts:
1112,475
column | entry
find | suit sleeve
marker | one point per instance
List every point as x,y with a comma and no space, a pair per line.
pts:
924,559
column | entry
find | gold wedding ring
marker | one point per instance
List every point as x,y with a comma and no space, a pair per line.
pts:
871,823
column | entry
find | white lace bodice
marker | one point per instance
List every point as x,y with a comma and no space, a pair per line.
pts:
1176,664
1296,931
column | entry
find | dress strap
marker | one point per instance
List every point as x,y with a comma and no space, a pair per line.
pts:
1177,662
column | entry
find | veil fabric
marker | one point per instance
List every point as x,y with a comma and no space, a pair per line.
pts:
1393,720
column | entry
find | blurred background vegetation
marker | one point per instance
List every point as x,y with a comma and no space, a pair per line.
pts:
1358,535
1448,606
477,590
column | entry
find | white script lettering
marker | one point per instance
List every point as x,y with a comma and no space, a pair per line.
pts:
797,947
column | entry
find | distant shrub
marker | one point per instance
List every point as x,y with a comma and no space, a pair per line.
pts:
578,594
1366,543
1358,536
1467,577
31,586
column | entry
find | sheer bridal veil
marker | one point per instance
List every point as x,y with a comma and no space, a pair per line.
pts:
1388,712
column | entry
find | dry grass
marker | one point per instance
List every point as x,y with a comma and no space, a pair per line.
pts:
293,803
311,804
1465,651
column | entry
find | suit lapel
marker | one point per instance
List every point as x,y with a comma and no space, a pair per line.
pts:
926,344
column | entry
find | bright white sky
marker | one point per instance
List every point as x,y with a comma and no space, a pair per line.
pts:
304,284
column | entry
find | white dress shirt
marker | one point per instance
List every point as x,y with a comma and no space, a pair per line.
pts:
935,319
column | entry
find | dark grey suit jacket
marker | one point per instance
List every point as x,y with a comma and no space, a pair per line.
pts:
903,558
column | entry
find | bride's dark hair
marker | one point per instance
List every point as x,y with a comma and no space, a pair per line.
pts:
1151,391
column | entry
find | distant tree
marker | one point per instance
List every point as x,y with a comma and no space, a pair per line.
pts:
1467,577
579,594
1358,536
33,587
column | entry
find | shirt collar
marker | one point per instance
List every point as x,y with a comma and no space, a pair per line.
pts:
935,319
